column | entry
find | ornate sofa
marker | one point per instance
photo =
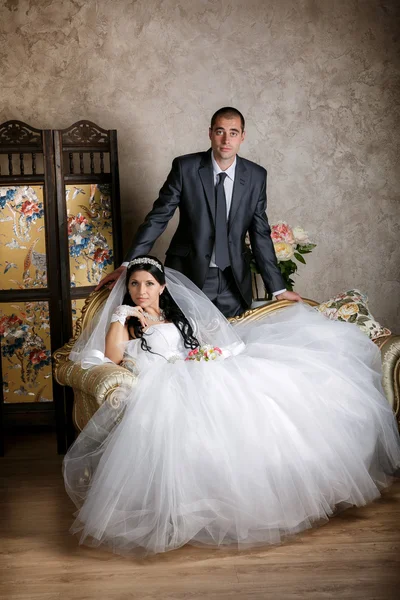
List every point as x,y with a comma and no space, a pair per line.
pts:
102,383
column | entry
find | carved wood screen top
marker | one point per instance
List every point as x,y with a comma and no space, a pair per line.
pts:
86,149
85,134
17,133
18,139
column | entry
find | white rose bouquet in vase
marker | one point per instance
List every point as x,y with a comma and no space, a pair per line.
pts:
290,245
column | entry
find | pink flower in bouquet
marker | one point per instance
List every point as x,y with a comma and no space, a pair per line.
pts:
290,245
206,353
283,251
300,236
282,232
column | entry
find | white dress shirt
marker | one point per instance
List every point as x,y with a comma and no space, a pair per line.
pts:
228,187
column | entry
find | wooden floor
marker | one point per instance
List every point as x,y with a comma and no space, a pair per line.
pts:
355,556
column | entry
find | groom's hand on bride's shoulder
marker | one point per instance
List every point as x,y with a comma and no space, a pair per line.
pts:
294,296
111,278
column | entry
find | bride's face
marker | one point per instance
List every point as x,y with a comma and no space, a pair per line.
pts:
144,289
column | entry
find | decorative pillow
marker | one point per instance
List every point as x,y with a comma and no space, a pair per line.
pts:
352,306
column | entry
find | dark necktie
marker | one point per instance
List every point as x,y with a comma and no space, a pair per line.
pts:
221,228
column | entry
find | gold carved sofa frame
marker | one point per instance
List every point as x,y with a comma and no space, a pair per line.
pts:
103,383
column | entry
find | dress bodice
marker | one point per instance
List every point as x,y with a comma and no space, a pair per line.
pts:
165,341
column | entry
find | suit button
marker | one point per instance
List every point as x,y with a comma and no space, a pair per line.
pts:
208,256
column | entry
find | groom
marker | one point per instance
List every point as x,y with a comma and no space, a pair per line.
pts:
220,197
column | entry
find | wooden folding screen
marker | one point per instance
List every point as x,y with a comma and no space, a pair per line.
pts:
59,234
88,211
30,327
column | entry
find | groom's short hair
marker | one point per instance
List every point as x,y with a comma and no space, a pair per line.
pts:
227,111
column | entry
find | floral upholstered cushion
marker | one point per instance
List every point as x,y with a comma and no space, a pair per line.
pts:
352,306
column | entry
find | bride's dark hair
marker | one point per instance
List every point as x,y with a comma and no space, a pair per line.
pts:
171,310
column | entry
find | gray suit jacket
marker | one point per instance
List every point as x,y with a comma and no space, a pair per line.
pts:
190,186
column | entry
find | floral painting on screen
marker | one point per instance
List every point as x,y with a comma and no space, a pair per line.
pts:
25,352
22,238
89,233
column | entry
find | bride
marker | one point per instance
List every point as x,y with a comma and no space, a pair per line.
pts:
276,426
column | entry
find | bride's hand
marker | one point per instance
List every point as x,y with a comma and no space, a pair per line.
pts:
125,311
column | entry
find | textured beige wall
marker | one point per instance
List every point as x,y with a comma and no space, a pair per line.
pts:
318,81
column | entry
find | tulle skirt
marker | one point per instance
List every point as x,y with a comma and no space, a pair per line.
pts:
242,451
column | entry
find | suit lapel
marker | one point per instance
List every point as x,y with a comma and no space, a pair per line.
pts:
239,186
207,179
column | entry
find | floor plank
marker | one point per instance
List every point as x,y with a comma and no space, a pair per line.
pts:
356,556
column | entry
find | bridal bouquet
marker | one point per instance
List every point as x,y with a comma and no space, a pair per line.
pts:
204,353
289,243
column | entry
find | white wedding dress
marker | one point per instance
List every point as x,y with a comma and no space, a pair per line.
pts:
243,450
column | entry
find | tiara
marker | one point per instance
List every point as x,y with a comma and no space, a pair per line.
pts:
145,261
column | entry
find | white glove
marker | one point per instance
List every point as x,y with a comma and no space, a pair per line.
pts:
123,312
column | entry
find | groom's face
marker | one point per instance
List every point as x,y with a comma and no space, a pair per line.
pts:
226,136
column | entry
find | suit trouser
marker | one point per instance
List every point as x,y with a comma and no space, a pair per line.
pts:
220,287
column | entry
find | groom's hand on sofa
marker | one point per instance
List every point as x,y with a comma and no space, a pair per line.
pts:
111,278
294,296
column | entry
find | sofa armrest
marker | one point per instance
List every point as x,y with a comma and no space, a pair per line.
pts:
390,353
92,387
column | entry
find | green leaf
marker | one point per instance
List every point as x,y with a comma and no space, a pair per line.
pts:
288,269
303,250
253,268
363,319
352,319
299,258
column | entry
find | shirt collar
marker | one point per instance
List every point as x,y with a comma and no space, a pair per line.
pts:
217,169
